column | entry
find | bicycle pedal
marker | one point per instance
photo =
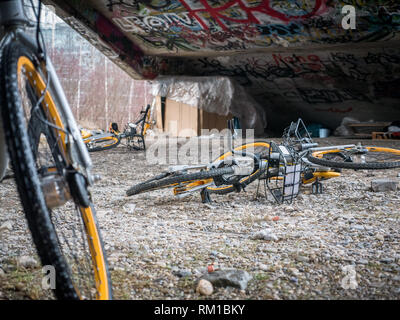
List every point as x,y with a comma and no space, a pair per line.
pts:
317,188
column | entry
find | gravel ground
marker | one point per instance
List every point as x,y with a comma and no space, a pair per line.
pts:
316,244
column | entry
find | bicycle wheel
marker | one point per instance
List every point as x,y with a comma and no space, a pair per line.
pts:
259,147
167,181
373,158
65,233
100,144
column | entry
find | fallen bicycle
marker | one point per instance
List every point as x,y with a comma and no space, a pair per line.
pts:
134,133
281,168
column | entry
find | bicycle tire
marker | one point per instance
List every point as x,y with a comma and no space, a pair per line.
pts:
317,158
115,142
28,182
244,181
171,181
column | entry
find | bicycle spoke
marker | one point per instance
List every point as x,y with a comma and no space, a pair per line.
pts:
72,239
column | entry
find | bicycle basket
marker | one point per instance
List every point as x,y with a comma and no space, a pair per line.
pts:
284,185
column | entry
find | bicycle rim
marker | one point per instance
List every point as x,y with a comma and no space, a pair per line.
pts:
101,144
179,180
373,158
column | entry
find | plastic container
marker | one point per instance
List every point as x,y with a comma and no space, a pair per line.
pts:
324,132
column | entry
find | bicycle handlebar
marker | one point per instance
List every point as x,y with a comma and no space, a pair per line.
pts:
305,146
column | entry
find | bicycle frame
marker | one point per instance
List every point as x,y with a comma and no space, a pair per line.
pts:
14,21
239,170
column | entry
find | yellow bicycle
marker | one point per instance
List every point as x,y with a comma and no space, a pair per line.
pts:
284,167
99,141
51,165
134,134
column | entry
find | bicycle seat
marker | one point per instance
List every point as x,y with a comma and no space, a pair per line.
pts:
132,125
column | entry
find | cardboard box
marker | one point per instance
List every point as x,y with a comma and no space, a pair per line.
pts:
183,120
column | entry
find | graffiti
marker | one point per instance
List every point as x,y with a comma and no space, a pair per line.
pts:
216,25
313,96
220,41
375,4
243,14
163,22
171,43
384,59
346,66
313,79
135,4
320,24
281,67
299,64
280,30
235,25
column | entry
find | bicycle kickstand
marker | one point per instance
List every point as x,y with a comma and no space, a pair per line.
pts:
205,196
317,187
258,188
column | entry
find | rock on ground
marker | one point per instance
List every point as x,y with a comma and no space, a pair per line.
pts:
266,234
382,185
228,278
27,262
205,287
8,225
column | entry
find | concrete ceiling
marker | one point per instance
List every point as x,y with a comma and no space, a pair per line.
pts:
292,56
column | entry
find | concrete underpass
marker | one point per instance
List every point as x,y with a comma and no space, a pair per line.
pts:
293,58
333,63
